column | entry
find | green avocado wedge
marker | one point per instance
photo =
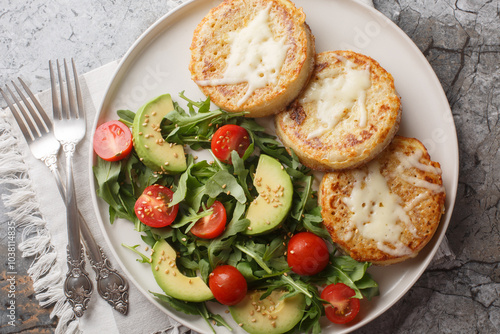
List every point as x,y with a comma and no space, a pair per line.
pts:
171,280
275,189
152,149
272,315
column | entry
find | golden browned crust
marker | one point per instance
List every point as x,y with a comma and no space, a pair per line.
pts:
423,206
348,144
210,48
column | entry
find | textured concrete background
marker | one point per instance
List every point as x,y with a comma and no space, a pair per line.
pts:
461,40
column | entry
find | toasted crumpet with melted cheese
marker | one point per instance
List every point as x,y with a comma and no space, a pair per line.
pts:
252,55
386,211
348,113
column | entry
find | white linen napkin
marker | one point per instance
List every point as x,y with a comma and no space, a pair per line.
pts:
37,207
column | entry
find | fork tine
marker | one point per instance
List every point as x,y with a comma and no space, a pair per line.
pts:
64,102
21,121
46,119
81,111
71,97
56,110
34,114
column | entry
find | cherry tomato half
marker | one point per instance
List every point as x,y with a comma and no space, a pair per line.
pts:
213,225
227,284
342,308
307,253
229,138
112,141
152,206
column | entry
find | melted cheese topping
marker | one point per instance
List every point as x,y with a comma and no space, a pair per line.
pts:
336,96
255,57
377,212
413,160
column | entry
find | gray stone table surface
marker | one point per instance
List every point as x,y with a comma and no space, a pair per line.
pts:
460,39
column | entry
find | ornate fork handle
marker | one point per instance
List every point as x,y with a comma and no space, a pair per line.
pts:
77,286
110,285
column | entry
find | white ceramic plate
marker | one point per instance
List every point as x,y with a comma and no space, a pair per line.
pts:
158,63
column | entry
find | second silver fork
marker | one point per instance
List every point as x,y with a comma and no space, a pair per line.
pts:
69,129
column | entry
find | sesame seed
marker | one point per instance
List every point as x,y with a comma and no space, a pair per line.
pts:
183,239
249,228
224,186
150,260
146,146
176,155
144,124
228,192
140,133
153,113
240,324
167,271
157,268
174,273
254,320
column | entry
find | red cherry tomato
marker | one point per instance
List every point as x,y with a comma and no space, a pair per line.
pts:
113,141
229,138
213,225
228,285
342,308
307,253
152,206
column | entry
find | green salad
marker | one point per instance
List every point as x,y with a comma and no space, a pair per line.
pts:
242,228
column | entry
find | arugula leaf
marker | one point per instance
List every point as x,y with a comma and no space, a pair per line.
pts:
120,198
126,117
193,308
223,182
194,127
144,258
348,271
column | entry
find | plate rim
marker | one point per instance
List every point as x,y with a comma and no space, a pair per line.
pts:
149,35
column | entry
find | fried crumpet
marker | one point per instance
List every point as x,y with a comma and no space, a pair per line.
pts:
252,55
386,211
348,113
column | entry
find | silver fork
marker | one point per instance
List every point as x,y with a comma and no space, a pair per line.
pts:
69,129
37,130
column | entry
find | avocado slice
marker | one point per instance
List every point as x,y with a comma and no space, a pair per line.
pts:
171,280
274,201
271,315
152,149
